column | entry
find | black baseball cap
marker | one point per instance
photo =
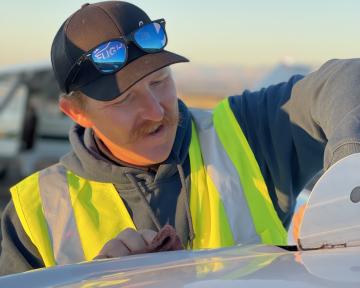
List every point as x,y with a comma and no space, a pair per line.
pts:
92,25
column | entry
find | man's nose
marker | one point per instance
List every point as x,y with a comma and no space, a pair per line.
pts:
152,108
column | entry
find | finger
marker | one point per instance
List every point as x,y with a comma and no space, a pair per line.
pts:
133,240
148,235
113,248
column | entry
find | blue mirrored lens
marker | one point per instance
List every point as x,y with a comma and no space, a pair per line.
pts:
151,37
110,56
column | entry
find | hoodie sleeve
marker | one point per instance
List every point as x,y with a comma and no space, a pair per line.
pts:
18,254
298,127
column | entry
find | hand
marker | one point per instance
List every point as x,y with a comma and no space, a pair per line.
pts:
128,242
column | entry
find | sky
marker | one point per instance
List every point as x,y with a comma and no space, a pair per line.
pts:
226,32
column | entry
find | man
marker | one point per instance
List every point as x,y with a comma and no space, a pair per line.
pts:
143,164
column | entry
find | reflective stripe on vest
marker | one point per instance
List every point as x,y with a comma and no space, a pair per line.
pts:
266,220
69,218
66,243
222,192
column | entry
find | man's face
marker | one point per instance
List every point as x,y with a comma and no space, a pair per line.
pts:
139,127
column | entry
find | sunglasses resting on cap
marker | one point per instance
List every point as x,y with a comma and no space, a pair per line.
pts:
110,56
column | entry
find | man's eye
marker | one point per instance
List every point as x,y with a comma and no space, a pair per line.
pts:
160,81
156,82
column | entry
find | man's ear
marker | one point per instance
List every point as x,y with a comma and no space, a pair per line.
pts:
74,112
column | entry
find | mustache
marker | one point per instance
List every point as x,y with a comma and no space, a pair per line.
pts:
142,129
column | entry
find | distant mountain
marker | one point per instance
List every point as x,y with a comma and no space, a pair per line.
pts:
282,72
222,81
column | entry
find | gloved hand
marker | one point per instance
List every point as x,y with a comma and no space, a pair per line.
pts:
131,242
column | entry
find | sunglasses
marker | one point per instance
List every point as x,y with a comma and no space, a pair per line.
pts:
110,56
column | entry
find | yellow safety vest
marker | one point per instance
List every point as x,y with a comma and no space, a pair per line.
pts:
69,218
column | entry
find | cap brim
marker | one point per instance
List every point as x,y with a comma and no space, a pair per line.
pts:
109,87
